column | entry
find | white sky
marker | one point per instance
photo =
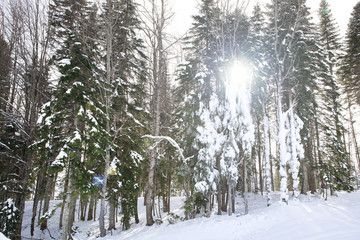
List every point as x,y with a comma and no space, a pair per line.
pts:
183,9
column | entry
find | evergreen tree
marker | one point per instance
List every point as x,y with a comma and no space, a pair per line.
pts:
75,108
218,38
124,98
5,63
336,165
8,210
260,88
350,69
291,63
195,77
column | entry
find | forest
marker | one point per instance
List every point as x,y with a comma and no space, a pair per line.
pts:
100,104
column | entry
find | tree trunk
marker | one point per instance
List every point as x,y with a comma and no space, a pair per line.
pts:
63,203
219,187
150,188
38,188
112,207
353,134
224,199
91,207
136,211
229,210
245,187
267,157
68,200
48,189
83,207
103,192
295,164
259,159
95,207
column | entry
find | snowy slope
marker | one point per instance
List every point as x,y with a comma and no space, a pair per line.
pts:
2,237
311,218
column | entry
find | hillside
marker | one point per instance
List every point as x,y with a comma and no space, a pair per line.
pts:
310,218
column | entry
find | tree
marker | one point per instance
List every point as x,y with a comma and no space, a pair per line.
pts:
291,38
335,167
26,32
260,92
123,95
5,64
350,69
155,21
75,108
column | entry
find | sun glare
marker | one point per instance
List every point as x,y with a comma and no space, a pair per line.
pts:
240,75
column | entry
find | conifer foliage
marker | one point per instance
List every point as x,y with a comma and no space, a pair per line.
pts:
351,68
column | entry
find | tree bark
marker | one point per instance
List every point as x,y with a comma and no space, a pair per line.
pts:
136,211
68,200
38,188
91,207
259,159
47,195
112,207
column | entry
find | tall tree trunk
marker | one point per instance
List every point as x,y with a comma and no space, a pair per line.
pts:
295,164
353,134
246,195
103,192
254,175
109,75
223,195
219,187
267,155
83,206
136,211
259,159
68,200
229,207
282,147
38,189
91,207
112,207
310,168
47,195
63,202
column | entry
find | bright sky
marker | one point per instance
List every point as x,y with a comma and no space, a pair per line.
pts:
341,10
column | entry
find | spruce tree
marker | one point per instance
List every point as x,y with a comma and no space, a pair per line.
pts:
75,108
124,98
350,69
336,166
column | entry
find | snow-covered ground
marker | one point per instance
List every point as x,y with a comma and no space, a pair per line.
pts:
310,218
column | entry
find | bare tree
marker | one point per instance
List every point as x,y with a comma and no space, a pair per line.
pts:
155,20
24,25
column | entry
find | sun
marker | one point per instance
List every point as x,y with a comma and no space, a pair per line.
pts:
240,75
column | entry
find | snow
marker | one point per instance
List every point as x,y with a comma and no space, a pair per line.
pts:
64,62
2,237
310,217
